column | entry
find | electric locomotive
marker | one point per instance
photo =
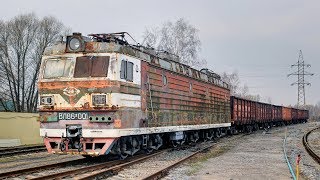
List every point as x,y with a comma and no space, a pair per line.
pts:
100,95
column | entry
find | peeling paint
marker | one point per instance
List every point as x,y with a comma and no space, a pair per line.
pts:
159,93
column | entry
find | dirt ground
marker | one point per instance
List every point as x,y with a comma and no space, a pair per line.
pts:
255,156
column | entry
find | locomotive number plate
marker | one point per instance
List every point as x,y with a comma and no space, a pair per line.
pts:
73,116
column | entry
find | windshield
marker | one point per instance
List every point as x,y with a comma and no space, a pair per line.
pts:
55,68
85,66
91,66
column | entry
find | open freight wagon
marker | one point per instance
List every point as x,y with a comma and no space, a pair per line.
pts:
248,115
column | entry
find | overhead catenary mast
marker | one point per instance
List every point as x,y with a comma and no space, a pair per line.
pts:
301,73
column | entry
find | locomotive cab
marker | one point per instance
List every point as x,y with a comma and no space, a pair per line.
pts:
84,88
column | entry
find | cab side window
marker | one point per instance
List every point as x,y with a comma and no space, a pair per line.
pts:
126,71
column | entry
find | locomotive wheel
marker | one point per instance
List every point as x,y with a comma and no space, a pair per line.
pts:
193,137
62,146
217,133
208,136
150,146
249,129
80,147
149,150
158,141
123,156
174,144
256,127
135,145
233,131
267,125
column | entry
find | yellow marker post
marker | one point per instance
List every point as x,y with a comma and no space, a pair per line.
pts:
297,166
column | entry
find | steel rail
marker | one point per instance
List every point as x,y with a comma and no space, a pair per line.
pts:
98,169
307,146
164,171
20,147
21,150
19,172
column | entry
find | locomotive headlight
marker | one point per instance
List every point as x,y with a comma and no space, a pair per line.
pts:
74,44
46,100
99,99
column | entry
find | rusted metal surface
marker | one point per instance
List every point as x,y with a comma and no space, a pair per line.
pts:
264,112
247,112
171,100
91,146
303,114
276,113
73,92
243,111
294,114
103,86
94,89
286,114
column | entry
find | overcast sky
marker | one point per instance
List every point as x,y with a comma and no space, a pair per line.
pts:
259,39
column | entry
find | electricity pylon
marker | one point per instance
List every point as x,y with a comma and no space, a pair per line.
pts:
301,73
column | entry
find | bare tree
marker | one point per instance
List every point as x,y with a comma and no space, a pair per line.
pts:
254,97
233,80
179,38
314,111
244,91
235,89
22,43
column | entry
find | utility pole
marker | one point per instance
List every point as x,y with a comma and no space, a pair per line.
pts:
301,79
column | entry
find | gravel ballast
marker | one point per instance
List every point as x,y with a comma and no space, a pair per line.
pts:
257,156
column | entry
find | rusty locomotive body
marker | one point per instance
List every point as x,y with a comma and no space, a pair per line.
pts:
101,95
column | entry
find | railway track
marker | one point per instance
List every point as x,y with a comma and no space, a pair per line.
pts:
164,171
20,172
160,166
307,146
102,169
21,150
97,170
111,168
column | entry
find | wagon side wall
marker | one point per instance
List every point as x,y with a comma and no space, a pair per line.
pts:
172,99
